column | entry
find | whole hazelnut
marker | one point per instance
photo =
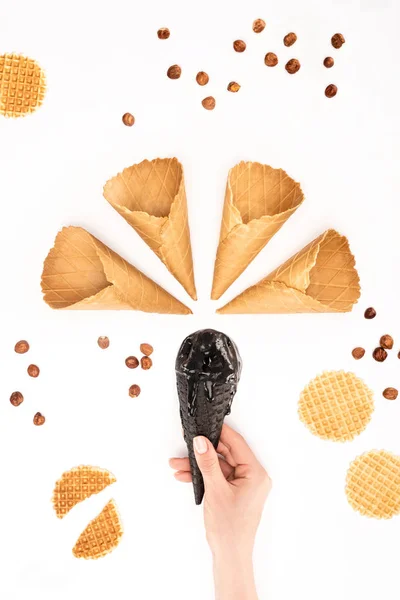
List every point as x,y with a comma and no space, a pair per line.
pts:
21,347
209,103
38,419
132,362
174,72
358,353
134,391
239,46
329,62
146,349
370,313
290,39
202,78
390,393
386,342
331,91
292,66
233,87
163,33
16,398
103,342
146,362
337,40
271,59
128,119
258,25
379,354
33,371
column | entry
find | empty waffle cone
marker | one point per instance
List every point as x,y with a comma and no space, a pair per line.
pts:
320,278
152,199
258,201
22,85
101,536
77,484
373,484
81,273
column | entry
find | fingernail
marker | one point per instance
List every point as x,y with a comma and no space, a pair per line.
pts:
200,444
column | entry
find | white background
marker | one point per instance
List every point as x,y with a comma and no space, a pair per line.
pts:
103,59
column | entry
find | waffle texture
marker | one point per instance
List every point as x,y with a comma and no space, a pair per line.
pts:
22,85
373,484
101,536
78,484
336,406
258,201
152,199
320,278
81,273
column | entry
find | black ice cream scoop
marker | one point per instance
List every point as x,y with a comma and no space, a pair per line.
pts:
208,369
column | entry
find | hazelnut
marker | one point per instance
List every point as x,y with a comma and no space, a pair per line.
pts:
233,87
358,353
386,342
16,398
398,356
132,362
38,419
370,313
329,62
128,119
271,59
146,349
209,103
103,342
163,33
390,393
379,354
134,391
202,78
146,362
21,347
239,46
292,66
290,39
33,371
174,72
337,40
331,91
258,25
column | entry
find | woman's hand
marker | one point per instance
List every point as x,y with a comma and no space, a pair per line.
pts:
236,487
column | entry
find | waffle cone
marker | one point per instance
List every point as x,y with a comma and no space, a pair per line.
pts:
258,201
320,278
152,199
76,485
101,536
22,85
81,273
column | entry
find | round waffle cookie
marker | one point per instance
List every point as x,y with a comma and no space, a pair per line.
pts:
336,406
101,536
22,85
78,484
373,484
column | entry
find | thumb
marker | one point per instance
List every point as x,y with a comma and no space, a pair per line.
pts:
207,460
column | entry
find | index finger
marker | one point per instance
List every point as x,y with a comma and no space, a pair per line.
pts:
237,446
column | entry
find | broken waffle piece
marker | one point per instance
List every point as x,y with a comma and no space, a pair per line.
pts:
78,484
152,199
320,278
22,85
336,406
373,484
101,536
258,201
81,273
